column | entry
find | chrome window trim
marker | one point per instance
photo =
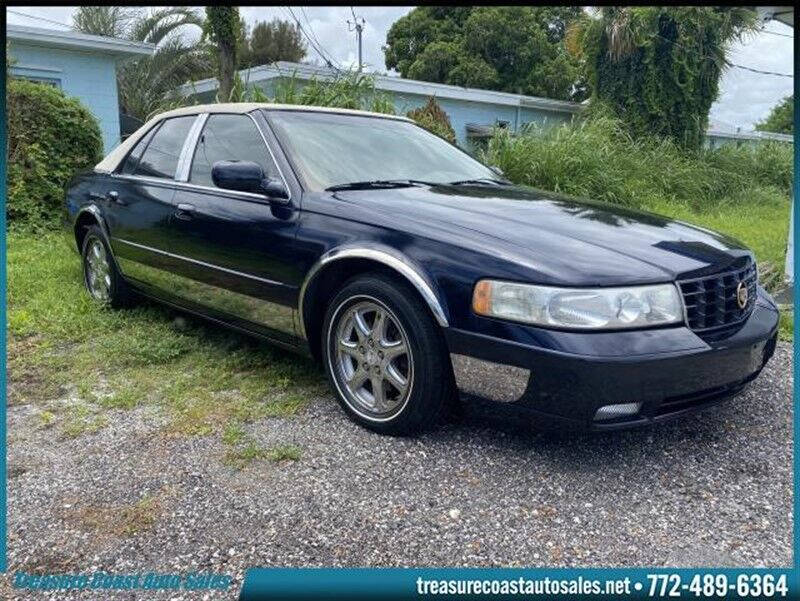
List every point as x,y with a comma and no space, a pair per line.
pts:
379,255
181,156
187,151
190,157
203,263
190,186
146,179
183,171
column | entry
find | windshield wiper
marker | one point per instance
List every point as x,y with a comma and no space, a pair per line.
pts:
481,181
378,184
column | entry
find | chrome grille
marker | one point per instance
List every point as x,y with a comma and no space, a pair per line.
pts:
712,308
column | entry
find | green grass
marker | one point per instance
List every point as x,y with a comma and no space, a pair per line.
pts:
761,222
241,457
201,377
82,419
596,158
786,327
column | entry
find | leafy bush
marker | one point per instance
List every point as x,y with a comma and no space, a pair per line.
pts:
433,118
50,138
597,158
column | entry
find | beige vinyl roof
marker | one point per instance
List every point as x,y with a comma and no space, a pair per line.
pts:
247,107
112,160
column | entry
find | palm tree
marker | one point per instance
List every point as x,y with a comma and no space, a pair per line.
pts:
223,27
112,21
148,84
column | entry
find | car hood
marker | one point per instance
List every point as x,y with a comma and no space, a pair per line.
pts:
565,240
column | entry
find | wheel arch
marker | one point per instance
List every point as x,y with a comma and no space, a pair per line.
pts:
88,216
341,263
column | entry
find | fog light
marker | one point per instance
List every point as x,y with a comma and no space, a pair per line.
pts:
615,411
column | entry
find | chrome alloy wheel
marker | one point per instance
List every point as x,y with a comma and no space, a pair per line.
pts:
371,359
98,271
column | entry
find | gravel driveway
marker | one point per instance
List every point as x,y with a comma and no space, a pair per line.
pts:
710,490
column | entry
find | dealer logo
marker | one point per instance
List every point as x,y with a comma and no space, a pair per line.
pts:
742,295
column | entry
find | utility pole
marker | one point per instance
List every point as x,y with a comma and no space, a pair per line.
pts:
358,24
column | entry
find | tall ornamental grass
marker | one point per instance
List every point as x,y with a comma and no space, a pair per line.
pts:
596,158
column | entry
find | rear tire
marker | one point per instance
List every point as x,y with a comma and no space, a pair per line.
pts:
101,277
385,356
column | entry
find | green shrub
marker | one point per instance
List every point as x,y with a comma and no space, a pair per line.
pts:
50,138
433,118
597,158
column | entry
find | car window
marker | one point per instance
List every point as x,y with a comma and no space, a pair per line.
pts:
229,138
160,158
132,160
327,149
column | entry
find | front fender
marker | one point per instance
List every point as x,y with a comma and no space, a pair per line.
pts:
410,270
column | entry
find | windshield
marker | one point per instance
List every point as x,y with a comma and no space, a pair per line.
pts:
330,149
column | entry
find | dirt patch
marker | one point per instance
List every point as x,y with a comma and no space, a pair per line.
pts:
27,382
117,520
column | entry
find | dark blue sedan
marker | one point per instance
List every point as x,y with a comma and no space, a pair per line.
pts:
409,269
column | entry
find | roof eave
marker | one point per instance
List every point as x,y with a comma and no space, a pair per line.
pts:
393,84
79,42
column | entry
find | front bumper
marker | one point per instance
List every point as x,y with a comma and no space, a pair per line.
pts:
669,372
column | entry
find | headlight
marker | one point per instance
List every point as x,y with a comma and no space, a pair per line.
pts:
579,308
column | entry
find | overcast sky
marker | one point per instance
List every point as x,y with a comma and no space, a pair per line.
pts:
745,97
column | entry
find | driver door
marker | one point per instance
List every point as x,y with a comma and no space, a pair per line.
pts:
233,251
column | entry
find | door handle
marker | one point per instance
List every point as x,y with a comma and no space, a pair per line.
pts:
185,211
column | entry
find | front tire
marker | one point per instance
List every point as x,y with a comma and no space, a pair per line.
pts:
101,277
385,356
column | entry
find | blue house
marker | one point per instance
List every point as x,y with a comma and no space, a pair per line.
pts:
472,112
83,66
717,137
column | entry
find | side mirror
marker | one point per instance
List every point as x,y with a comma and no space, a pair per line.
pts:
247,176
274,189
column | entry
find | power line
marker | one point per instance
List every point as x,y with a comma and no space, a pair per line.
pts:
310,28
316,45
728,63
317,48
783,35
760,71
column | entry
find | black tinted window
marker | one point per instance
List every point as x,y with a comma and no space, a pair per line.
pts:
132,160
228,138
160,158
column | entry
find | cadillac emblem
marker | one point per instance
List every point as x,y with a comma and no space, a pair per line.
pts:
741,295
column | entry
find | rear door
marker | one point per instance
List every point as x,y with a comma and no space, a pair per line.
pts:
139,203
233,252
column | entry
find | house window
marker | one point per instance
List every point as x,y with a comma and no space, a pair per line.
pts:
48,81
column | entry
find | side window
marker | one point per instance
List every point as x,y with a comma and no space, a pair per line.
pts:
228,138
132,160
160,158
